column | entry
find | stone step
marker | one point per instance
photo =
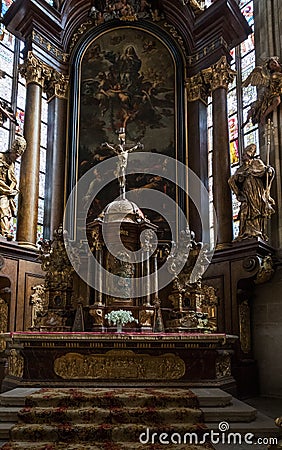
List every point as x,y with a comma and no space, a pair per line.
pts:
17,396
237,411
240,447
111,398
145,416
9,413
263,426
212,397
206,396
98,446
5,428
98,433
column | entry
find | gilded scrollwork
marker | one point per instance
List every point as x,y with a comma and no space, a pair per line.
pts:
219,75
59,265
223,365
39,304
197,89
52,321
117,364
47,45
4,311
194,304
195,5
177,36
57,86
15,363
266,270
146,317
128,10
98,316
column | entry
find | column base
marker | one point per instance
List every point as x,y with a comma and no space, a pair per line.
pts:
223,245
28,245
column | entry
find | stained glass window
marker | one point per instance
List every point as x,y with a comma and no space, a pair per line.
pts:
239,100
210,148
13,93
43,146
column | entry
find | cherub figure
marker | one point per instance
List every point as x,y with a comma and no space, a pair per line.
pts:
269,78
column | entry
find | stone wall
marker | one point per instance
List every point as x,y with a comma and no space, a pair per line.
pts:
267,335
267,304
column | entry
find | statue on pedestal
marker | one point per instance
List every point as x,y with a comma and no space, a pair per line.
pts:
8,185
251,184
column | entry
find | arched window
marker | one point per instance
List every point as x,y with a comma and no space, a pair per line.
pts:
239,100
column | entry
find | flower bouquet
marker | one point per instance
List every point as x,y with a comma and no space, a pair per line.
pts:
120,318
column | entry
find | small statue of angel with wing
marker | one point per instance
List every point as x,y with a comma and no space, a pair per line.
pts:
268,77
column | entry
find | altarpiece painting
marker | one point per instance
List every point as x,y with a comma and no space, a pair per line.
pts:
127,79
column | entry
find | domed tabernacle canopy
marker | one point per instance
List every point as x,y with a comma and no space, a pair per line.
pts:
122,210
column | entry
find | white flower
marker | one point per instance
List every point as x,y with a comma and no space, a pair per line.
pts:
122,317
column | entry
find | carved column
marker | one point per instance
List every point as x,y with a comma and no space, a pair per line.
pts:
219,76
197,97
57,94
34,72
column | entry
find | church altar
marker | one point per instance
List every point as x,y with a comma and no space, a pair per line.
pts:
57,359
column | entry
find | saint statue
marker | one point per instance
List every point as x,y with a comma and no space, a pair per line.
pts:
251,184
8,185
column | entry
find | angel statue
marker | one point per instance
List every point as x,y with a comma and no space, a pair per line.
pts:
268,77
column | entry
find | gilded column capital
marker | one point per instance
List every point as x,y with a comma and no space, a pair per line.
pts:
197,89
57,85
34,70
195,5
219,75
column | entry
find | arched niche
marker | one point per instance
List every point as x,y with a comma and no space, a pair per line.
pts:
129,76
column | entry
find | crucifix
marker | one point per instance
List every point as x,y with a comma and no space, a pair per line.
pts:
121,150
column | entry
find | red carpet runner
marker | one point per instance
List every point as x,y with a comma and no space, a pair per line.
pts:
109,419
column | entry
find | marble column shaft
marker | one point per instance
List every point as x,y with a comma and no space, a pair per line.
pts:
29,179
198,158
55,168
218,78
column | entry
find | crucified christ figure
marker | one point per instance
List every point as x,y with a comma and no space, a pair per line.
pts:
121,150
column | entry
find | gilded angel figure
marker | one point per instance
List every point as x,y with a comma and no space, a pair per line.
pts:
268,78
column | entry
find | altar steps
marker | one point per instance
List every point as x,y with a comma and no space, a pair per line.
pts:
101,446
172,411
